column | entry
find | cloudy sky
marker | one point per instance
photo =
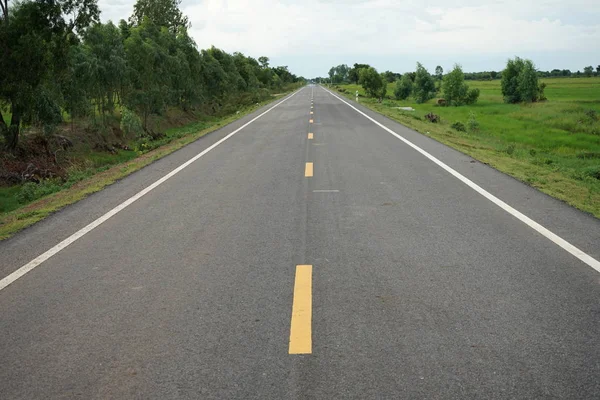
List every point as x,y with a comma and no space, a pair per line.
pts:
310,36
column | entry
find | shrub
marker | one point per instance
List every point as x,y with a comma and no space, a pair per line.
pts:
459,126
31,191
592,115
510,149
520,82
456,91
472,122
593,172
372,82
131,123
404,87
424,86
431,117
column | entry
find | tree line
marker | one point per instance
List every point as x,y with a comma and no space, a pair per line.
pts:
519,83
59,60
345,74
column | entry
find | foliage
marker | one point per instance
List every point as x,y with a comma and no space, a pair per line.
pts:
456,92
424,86
459,126
354,72
403,87
131,123
372,82
160,13
520,82
472,122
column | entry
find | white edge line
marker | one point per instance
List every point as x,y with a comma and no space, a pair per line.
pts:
325,191
586,258
49,253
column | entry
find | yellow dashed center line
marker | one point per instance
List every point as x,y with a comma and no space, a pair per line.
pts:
311,121
311,113
308,170
310,135
301,325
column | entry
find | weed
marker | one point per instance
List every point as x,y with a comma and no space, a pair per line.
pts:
459,126
472,122
510,149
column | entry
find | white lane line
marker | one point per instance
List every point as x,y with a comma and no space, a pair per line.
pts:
325,191
49,253
586,258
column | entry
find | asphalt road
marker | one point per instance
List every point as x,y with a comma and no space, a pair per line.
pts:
409,285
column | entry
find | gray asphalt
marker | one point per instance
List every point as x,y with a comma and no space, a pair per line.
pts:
422,288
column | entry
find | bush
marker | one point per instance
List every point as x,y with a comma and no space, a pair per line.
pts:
431,117
472,122
456,91
593,172
404,87
131,123
520,82
31,191
510,149
372,82
459,126
424,86
472,96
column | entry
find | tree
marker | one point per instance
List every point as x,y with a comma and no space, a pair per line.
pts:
353,73
331,74
493,74
390,76
160,13
372,82
403,87
598,70
439,73
456,91
424,87
520,82
35,41
587,71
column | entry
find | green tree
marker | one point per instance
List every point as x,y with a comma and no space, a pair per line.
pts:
424,85
588,71
403,87
439,73
372,82
160,13
35,39
456,91
520,81
354,72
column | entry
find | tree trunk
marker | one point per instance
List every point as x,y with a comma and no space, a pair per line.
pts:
11,133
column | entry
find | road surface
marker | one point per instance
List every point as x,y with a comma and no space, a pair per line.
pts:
311,254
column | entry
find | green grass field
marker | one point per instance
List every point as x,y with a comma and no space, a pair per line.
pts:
552,145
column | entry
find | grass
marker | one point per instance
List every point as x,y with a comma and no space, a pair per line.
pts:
552,145
101,170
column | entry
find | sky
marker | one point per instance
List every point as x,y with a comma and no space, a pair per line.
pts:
310,36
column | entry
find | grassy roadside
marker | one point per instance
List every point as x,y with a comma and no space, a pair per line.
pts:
550,146
20,218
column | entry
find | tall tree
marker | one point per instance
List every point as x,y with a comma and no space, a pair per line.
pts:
35,34
424,87
161,13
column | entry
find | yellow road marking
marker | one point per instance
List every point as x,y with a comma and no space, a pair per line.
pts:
311,113
308,170
301,326
310,135
311,121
